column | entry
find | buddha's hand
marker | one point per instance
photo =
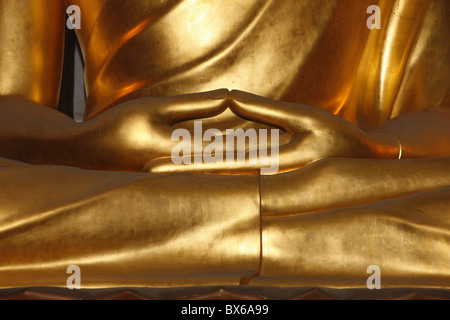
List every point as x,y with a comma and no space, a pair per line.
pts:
129,136
315,134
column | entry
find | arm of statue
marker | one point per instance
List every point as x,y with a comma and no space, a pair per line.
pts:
424,134
339,182
332,156
318,134
123,138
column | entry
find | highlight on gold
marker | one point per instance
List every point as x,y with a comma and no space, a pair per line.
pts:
265,143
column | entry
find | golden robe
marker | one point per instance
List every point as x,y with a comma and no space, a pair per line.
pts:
138,229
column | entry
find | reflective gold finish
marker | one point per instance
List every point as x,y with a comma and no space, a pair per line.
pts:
31,44
76,194
127,229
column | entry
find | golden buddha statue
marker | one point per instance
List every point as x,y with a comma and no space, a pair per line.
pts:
104,195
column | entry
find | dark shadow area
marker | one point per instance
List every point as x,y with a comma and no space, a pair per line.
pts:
67,94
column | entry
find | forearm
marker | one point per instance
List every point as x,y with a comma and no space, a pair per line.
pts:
36,134
338,183
424,134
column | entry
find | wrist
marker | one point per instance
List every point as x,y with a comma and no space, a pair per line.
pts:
59,144
385,145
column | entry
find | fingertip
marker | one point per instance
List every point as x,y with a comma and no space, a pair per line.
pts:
219,94
241,96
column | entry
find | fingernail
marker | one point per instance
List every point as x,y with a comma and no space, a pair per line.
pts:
219,94
240,96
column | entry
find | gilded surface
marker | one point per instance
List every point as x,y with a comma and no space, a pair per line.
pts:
76,194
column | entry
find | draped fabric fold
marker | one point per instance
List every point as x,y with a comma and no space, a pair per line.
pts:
334,61
126,229
138,229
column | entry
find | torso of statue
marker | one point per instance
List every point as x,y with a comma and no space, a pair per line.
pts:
311,52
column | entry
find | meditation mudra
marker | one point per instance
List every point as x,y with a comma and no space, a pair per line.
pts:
364,161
